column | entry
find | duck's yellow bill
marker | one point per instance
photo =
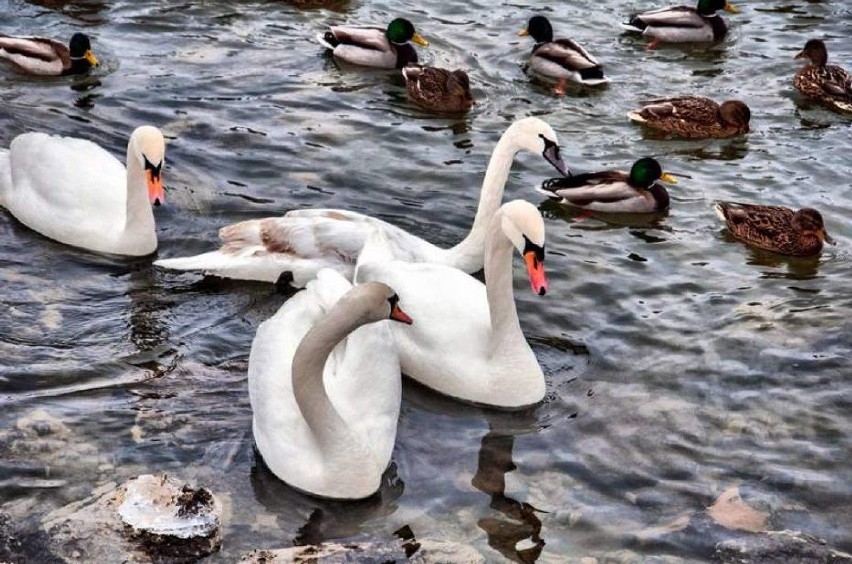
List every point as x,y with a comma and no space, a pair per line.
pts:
89,56
524,32
668,178
731,8
417,38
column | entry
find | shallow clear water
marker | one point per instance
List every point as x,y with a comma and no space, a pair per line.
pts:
680,363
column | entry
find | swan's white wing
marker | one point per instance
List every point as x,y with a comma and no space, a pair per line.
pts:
451,328
62,181
301,242
280,431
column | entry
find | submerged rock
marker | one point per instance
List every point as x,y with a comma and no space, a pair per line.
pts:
733,513
779,546
419,552
150,518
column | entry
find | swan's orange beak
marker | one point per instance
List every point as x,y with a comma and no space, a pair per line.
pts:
535,269
155,187
398,315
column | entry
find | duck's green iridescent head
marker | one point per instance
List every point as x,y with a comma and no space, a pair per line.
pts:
81,49
710,7
539,28
646,171
402,31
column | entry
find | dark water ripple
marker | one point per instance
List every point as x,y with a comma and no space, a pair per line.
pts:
679,363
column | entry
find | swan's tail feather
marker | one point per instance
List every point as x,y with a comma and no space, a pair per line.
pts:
634,116
328,287
376,250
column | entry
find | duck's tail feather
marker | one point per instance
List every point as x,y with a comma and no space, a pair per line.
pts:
327,40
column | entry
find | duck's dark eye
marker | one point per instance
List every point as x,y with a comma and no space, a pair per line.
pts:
155,170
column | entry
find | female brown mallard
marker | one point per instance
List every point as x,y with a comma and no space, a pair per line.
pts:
615,191
775,228
828,84
48,57
438,89
694,117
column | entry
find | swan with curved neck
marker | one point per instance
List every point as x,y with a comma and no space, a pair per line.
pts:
324,385
74,192
468,342
303,241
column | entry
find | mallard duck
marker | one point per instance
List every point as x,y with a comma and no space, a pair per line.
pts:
48,57
694,117
775,228
615,191
438,89
682,24
829,84
373,46
562,59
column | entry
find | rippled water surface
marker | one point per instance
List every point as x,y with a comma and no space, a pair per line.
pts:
680,363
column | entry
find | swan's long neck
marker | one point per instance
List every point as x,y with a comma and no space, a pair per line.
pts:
330,430
505,326
467,255
139,223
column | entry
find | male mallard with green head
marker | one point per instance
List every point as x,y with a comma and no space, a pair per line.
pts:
615,191
828,84
372,46
694,117
775,228
437,89
562,59
48,57
683,24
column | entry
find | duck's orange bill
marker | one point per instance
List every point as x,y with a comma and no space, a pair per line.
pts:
155,187
398,315
535,269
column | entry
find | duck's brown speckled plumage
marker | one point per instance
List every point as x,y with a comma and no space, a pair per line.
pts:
438,89
694,117
828,84
775,228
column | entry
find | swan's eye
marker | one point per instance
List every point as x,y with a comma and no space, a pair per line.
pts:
393,301
155,170
537,250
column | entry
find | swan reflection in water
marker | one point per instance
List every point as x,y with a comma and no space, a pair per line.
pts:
516,531
322,519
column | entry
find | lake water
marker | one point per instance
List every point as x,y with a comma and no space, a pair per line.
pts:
680,363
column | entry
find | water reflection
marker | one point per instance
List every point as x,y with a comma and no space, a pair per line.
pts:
515,523
553,209
798,268
84,10
323,519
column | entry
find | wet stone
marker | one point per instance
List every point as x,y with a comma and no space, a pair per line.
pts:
779,546
419,552
148,519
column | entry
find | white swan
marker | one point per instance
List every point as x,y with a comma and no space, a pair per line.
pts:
468,342
325,393
303,241
75,192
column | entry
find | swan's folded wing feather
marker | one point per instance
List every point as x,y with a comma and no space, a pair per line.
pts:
74,178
